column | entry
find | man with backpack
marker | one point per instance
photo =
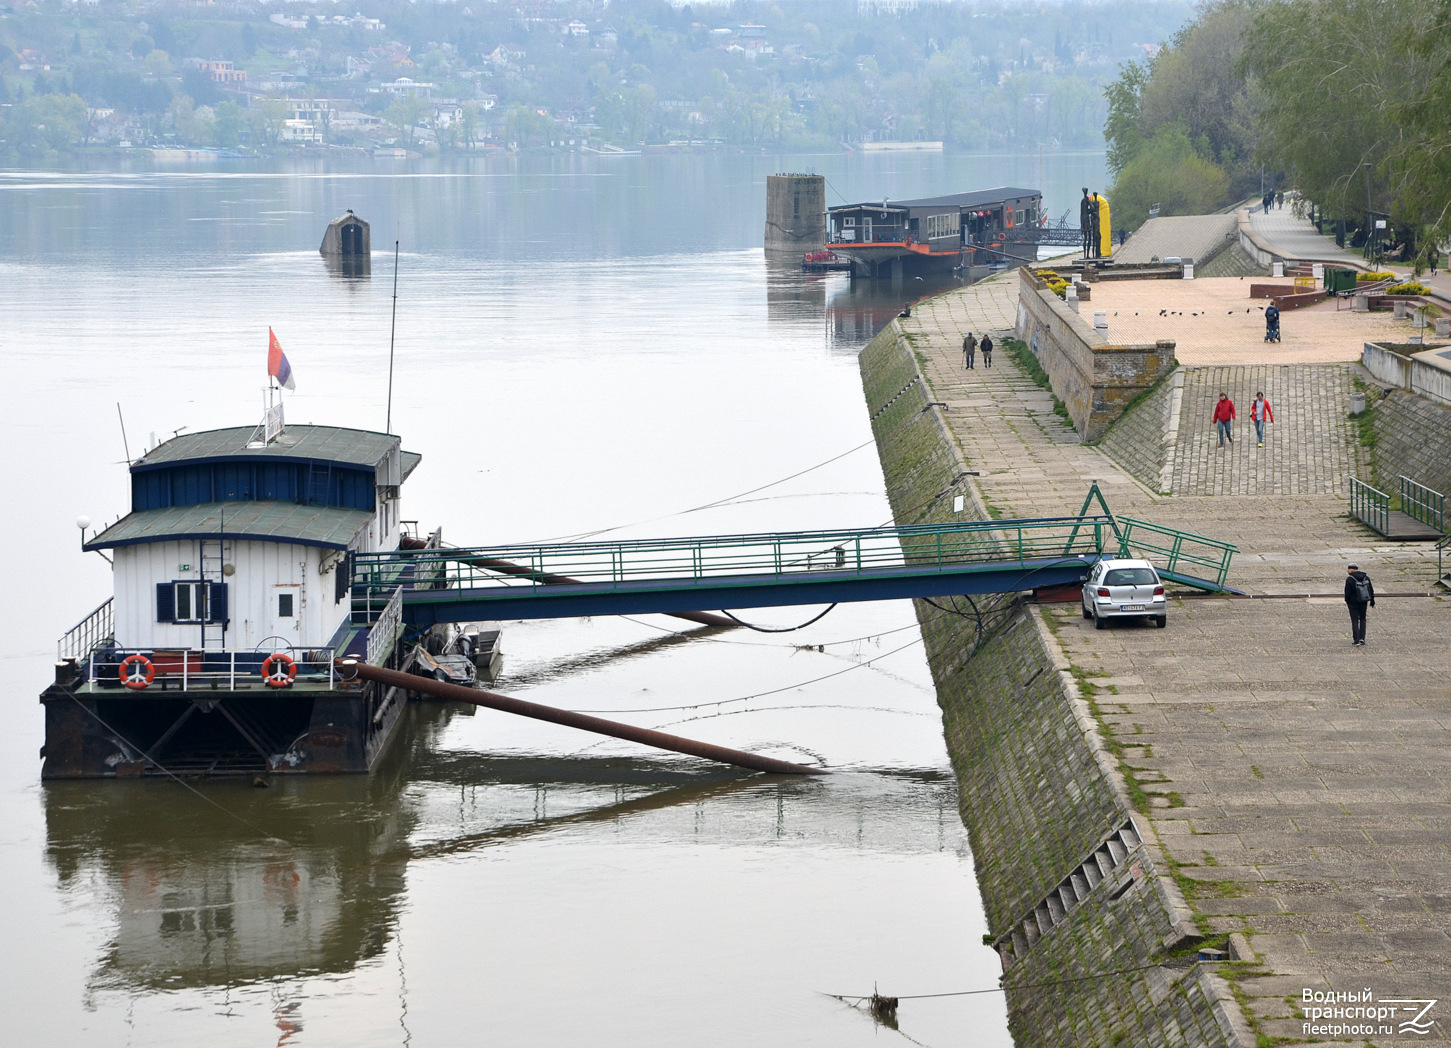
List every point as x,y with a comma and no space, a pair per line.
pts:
1359,594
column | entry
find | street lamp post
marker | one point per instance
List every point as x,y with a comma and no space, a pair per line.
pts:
1369,215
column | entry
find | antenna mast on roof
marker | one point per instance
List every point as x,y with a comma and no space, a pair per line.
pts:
392,330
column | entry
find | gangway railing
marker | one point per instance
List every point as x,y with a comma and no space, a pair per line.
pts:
1195,560
754,560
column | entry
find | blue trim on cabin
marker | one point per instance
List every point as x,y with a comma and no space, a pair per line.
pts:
239,478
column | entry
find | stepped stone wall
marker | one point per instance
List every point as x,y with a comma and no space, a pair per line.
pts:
1095,379
1037,791
1137,440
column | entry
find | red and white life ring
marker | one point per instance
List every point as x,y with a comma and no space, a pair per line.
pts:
136,672
278,670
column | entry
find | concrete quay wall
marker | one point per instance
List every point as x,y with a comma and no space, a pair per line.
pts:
1412,438
1076,891
1094,378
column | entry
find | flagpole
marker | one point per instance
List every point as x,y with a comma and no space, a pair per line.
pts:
392,331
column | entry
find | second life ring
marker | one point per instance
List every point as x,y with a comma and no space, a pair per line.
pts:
278,670
136,671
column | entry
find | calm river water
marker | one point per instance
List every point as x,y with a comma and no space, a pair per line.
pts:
581,344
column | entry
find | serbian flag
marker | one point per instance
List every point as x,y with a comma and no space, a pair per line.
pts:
277,365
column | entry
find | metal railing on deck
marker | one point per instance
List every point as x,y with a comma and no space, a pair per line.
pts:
1184,553
1423,504
704,559
1371,507
185,669
89,634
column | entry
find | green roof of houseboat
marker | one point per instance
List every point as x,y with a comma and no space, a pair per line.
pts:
355,447
330,527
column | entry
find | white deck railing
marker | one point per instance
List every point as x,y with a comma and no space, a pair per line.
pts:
238,669
88,634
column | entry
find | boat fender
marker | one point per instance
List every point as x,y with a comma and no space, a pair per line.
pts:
136,672
278,670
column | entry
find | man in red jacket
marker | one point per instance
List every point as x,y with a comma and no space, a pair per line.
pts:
1223,416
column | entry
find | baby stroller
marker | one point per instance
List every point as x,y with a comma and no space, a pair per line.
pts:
1272,324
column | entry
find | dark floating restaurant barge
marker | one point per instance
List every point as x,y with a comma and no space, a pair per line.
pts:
896,238
232,598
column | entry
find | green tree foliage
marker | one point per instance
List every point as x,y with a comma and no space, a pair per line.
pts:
1336,72
1192,85
45,123
227,125
1425,189
405,114
1170,172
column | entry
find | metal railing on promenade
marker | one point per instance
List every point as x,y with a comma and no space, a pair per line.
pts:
1423,504
1370,506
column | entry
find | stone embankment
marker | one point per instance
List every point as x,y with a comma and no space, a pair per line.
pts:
1244,777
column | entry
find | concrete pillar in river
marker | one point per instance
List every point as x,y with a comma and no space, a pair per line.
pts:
795,214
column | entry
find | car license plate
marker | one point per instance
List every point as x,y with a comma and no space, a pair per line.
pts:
1130,607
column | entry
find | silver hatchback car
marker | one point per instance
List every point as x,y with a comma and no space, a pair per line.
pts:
1124,589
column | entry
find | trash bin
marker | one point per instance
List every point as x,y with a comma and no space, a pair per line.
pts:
1338,280
1357,403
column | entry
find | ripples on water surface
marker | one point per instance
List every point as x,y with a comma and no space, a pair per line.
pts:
580,346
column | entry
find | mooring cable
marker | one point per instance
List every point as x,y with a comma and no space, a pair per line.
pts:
786,629
167,771
711,505
762,694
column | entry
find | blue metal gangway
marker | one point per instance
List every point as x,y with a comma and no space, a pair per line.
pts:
774,569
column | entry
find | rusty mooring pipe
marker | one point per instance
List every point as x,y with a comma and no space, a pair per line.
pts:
352,669
508,567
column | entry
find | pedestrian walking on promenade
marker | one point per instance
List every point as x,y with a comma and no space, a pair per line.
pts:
1272,322
1280,199
987,351
1359,594
1223,416
1260,412
969,348
1433,258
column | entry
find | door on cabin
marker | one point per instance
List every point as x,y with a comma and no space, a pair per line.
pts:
287,614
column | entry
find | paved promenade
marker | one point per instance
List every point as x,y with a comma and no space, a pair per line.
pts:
1214,321
1299,784
1298,238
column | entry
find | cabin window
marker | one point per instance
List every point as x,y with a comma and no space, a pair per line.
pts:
848,222
284,605
191,602
941,226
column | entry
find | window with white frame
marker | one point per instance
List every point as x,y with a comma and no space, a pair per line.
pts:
191,601
944,225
